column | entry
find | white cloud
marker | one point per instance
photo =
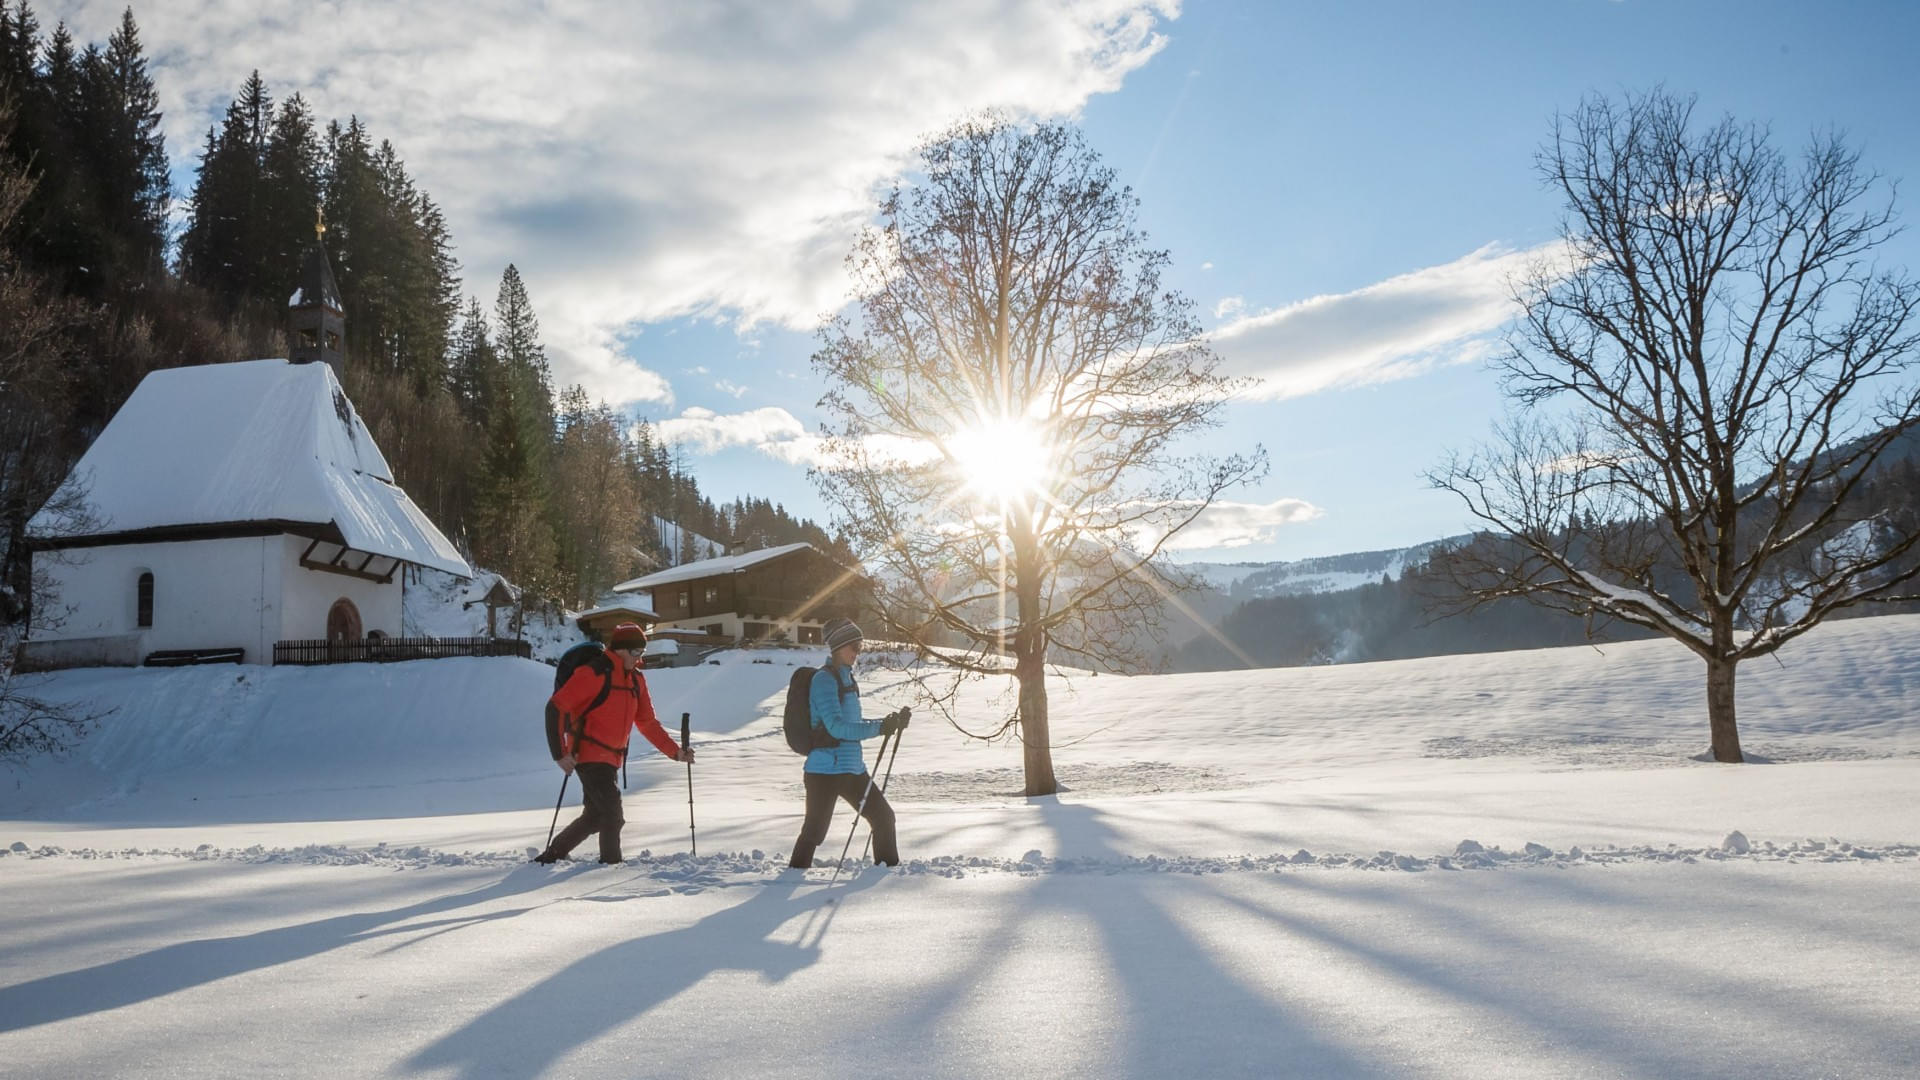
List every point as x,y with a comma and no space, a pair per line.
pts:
704,431
1232,524
730,388
780,435
640,162
1229,307
1396,329
877,450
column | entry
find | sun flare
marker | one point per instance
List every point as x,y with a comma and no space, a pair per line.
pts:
1002,461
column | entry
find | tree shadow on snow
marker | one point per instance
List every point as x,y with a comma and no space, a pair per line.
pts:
609,987
159,972
1183,1014
1516,977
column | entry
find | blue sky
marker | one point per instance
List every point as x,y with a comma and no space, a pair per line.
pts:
1342,186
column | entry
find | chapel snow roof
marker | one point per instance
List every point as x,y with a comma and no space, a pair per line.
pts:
726,564
260,441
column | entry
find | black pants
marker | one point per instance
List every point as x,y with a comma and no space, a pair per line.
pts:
822,790
600,812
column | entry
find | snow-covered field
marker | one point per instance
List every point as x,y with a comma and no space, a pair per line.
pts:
1506,865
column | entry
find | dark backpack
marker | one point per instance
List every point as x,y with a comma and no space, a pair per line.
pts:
803,735
592,655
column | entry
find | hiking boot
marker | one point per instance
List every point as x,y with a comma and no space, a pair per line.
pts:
546,858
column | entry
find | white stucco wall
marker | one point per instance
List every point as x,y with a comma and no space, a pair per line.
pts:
206,594
307,596
247,591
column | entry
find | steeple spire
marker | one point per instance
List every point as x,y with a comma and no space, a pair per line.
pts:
316,319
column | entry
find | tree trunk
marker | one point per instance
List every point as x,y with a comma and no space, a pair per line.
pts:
1031,671
1720,719
1030,660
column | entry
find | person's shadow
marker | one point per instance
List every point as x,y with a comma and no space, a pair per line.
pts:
609,986
162,971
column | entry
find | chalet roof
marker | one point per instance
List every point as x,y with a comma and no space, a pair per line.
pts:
726,564
627,608
261,441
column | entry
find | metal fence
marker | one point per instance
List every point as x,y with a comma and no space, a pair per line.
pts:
382,650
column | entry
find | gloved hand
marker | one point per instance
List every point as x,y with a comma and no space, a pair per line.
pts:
895,722
685,754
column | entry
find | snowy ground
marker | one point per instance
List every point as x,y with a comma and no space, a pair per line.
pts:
1507,865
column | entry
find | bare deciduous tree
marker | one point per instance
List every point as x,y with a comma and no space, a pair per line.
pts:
35,378
596,498
1004,415
37,332
1702,385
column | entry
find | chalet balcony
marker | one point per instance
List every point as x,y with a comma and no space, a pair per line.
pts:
386,650
786,607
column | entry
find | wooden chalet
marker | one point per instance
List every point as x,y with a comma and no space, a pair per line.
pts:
780,593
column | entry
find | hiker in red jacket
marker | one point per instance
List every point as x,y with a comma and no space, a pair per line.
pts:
593,739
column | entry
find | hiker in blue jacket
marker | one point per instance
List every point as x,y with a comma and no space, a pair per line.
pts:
839,772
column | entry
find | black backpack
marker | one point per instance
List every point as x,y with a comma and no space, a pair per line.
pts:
594,656
803,735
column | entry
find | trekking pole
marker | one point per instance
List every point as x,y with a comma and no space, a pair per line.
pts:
686,723
857,811
564,777
897,739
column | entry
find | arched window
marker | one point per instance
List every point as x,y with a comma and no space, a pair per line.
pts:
143,600
343,622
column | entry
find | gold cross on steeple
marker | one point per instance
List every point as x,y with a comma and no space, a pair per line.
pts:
319,221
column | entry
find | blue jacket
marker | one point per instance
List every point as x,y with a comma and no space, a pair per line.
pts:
840,714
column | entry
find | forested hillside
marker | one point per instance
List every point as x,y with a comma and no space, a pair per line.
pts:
1418,614
104,278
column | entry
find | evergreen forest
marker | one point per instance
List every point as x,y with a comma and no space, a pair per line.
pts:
107,274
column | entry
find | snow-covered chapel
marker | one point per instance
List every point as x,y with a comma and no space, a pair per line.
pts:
231,507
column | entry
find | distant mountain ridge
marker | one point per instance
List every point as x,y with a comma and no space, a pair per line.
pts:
1302,577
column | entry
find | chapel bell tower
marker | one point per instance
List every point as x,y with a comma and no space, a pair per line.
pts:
316,319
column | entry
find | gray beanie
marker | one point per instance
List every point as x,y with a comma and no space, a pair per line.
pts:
841,632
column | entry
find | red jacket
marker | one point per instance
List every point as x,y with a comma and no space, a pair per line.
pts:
606,726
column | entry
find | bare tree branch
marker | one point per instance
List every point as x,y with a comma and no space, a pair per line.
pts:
1702,387
1010,296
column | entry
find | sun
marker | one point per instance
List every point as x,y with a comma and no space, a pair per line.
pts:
1002,461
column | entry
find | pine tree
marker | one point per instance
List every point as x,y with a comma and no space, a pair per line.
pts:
434,299
223,248
517,338
123,145
393,258
19,41
58,230
353,221
471,363
290,171
514,533
62,81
